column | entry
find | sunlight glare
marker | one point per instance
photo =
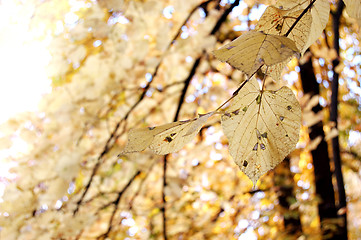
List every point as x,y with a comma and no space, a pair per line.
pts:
23,60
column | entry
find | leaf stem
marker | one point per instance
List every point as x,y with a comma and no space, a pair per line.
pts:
299,18
286,35
235,93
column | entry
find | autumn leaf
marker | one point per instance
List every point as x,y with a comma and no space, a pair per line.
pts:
166,138
277,22
319,11
262,128
253,49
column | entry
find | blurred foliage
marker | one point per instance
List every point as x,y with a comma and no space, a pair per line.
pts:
119,64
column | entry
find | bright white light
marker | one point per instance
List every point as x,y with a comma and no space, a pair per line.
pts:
168,12
22,61
248,235
354,137
256,12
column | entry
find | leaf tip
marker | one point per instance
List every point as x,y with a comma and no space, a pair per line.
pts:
254,184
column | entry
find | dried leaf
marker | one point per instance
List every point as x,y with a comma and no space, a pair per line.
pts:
320,13
166,138
254,49
262,128
278,22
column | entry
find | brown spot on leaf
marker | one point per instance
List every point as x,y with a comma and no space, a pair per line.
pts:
258,99
258,134
263,147
255,147
289,107
227,114
230,47
151,128
236,112
168,139
245,163
244,109
281,118
264,135
172,134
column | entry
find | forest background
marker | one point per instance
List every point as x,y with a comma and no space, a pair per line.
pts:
117,65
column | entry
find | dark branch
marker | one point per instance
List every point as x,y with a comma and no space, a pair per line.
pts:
116,204
223,18
299,18
219,23
336,155
113,137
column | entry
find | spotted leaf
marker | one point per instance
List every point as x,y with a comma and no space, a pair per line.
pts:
262,128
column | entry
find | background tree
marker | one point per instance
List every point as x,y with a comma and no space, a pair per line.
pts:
119,65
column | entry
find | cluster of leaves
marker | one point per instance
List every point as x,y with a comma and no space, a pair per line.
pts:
262,126
124,64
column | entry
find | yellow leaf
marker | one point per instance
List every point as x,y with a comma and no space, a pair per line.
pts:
262,128
278,22
253,49
320,13
166,138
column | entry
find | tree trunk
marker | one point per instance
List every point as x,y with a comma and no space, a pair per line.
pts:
321,161
333,117
284,180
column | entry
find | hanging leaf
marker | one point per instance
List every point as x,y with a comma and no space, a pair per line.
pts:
277,22
254,49
262,128
320,13
166,138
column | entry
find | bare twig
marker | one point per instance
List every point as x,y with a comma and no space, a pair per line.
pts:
113,137
116,204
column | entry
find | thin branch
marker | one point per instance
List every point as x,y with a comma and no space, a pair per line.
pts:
113,137
223,18
288,32
299,18
219,23
176,116
116,205
141,184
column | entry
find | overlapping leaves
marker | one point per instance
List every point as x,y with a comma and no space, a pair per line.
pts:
262,126
254,49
